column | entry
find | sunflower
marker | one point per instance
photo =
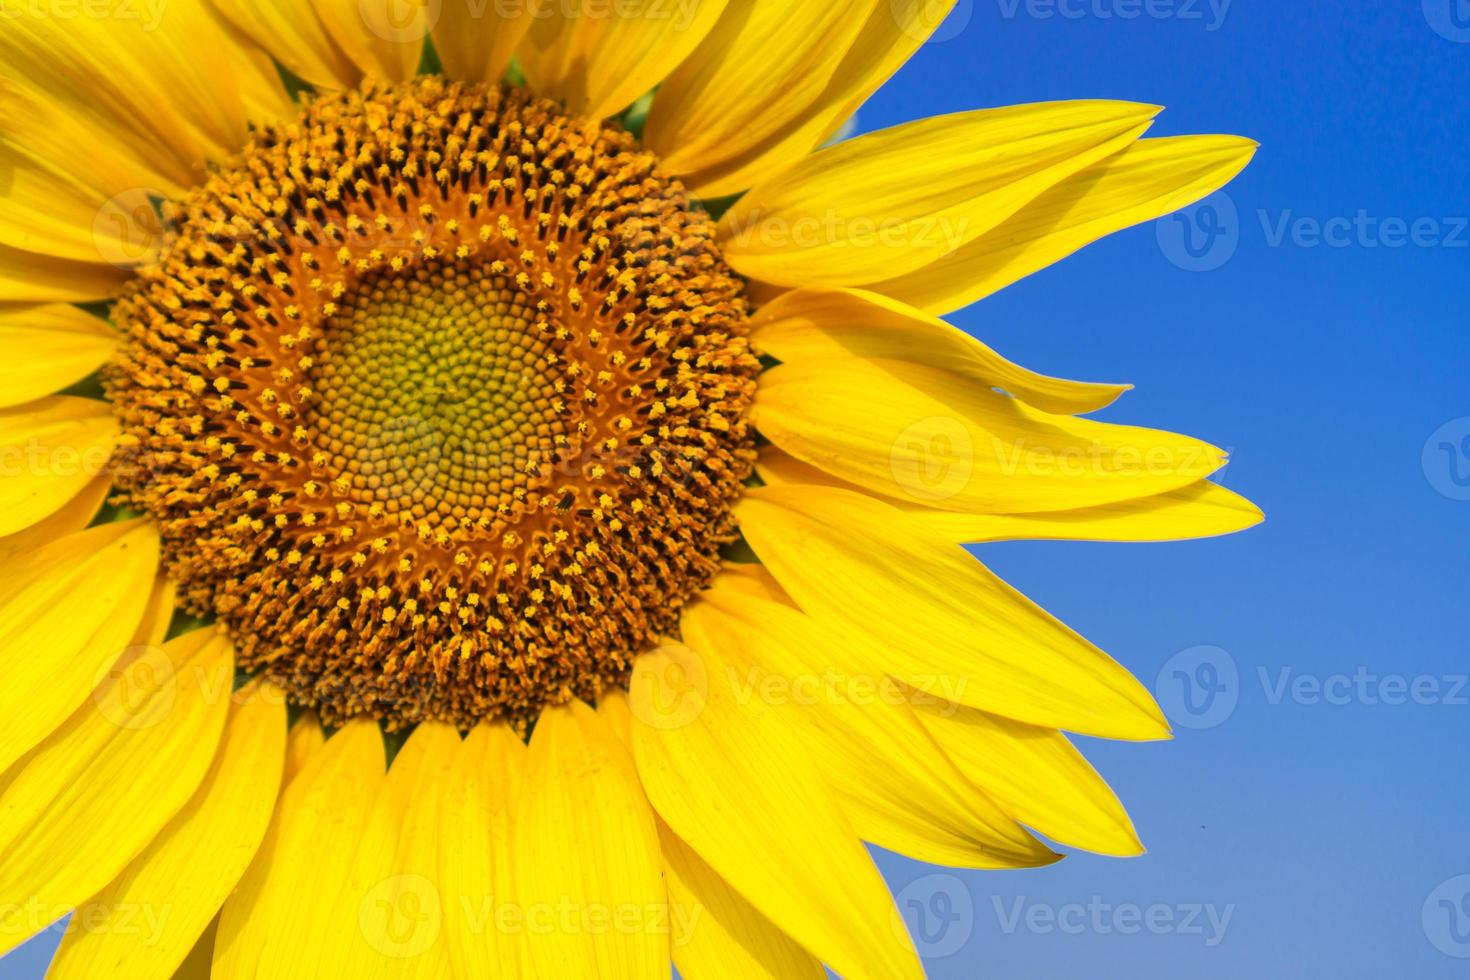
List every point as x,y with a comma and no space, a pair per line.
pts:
486,484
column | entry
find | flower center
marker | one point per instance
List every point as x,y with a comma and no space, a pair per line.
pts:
439,397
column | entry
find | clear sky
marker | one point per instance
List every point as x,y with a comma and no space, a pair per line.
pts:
1311,816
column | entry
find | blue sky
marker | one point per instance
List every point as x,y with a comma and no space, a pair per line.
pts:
1312,825
1309,819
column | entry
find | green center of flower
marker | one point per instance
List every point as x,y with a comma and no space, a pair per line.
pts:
433,395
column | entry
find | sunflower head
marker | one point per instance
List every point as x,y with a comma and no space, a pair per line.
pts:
440,400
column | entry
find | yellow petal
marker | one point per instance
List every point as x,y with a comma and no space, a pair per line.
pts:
29,277
760,146
476,39
144,924
713,931
1036,775
599,59
38,127
899,789
295,36
396,886
48,347
138,83
925,611
811,325
49,451
1147,180
610,914
303,741
74,515
718,935
91,797
1199,510
159,613
72,606
752,579
760,70
612,705
383,38
45,209
285,918
733,780
261,86
199,959
894,201
479,807
935,438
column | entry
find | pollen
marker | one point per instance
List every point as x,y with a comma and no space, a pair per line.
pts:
440,399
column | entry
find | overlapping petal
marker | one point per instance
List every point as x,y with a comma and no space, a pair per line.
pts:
773,80
287,917
898,790
49,346
577,767
90,798
599,57
809,325
296,36
892,202
1198,510
929,436
49,451
850,560
734,781
67,612
478,812
1036,775
1148,179
146,921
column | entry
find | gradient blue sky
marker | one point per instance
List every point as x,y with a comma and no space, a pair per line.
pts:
1288,835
